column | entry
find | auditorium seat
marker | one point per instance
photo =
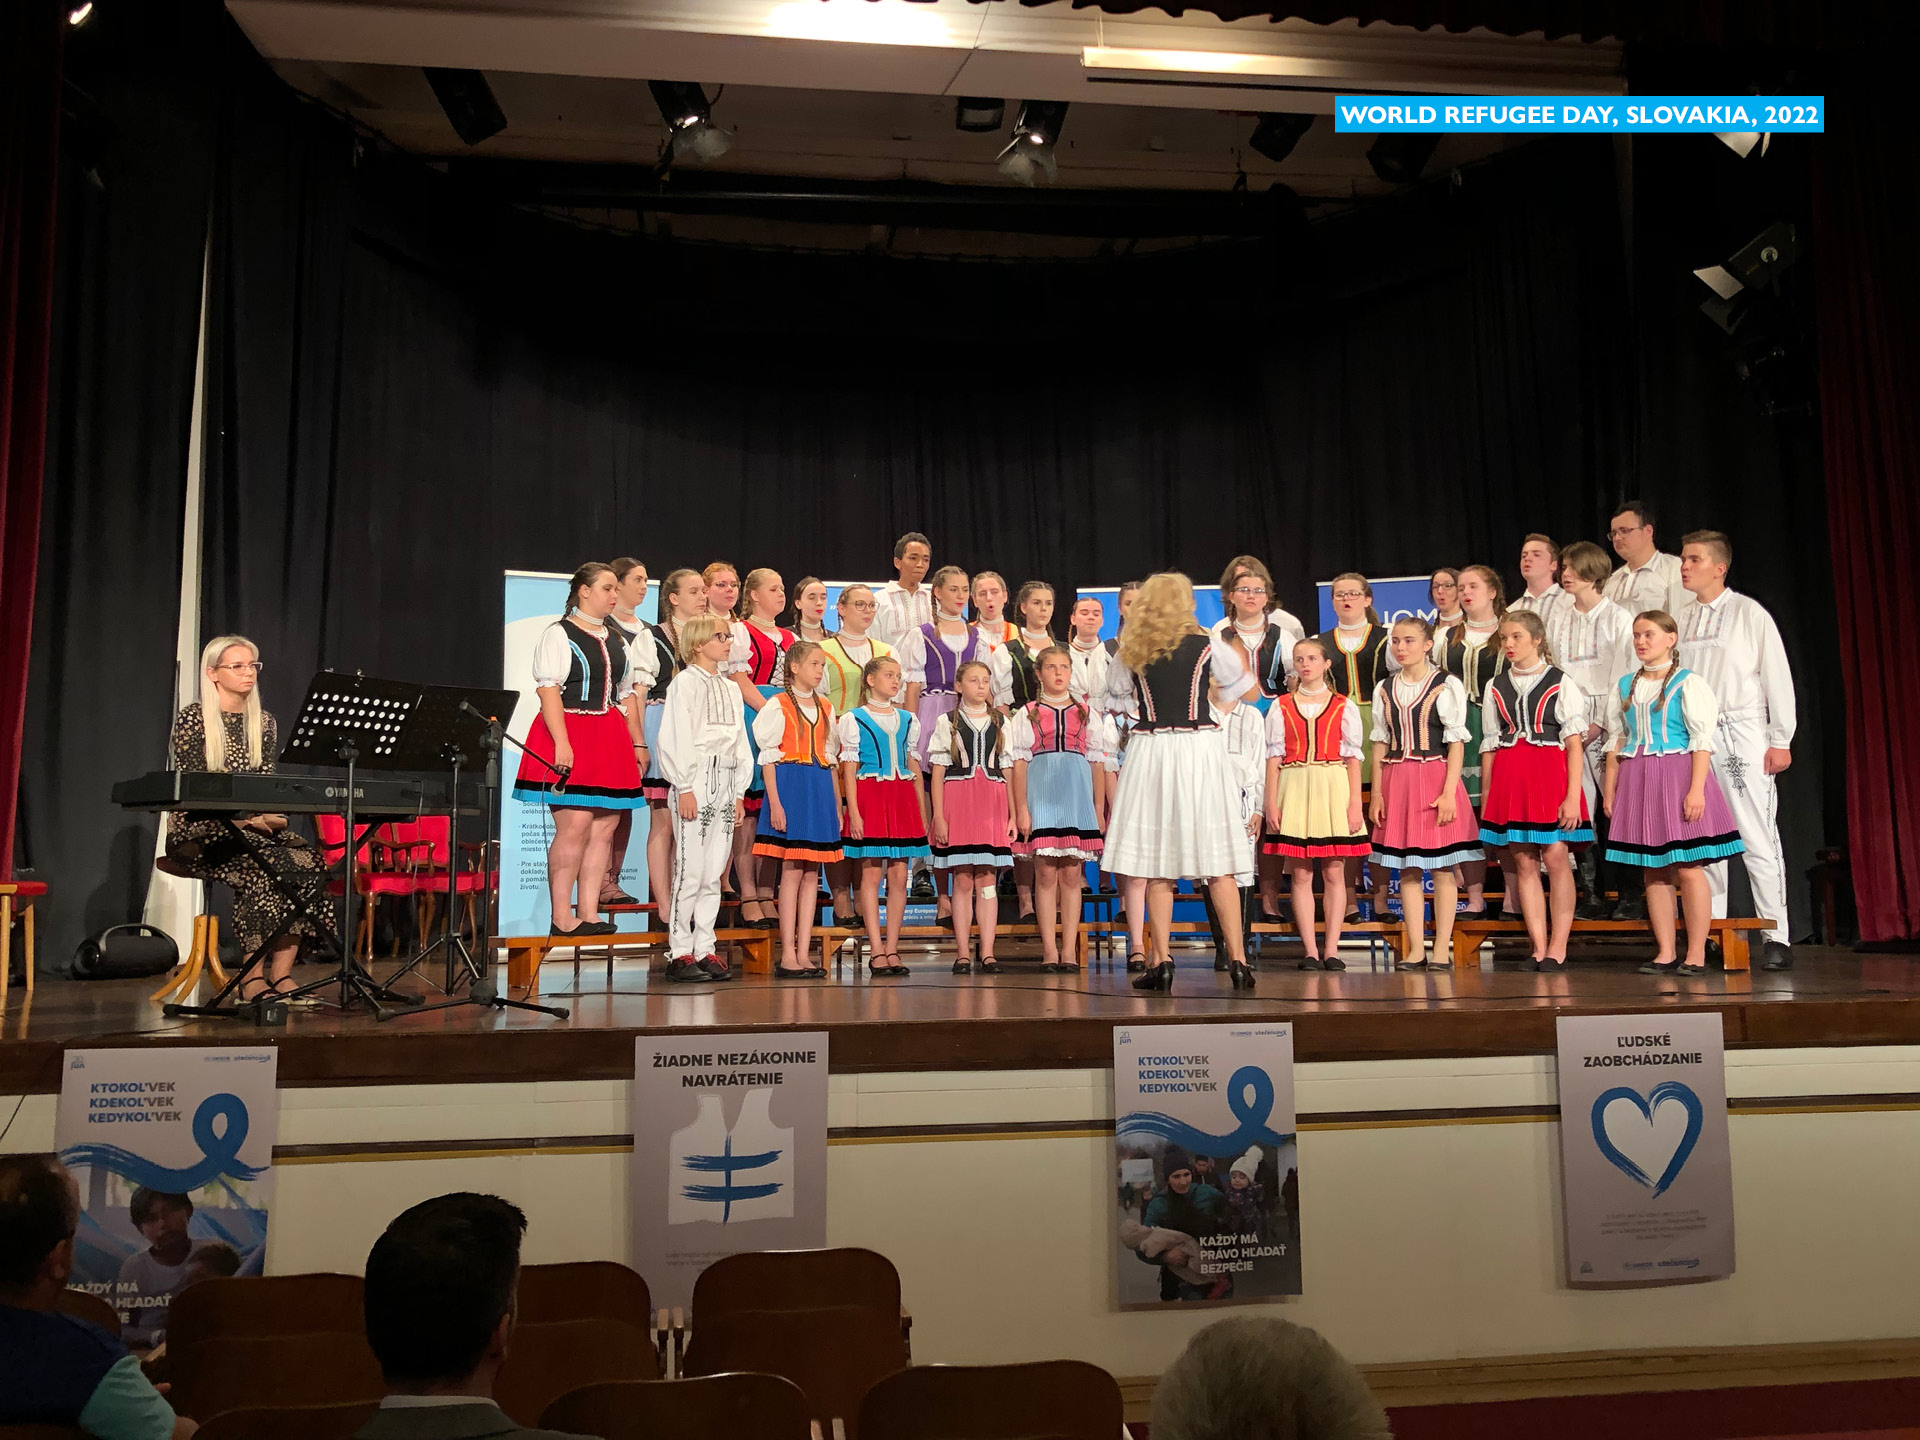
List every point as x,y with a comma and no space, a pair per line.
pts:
259,1306
763,1407
584,1290
834,1354
249,1372
290,1422
1044,1400
547,1361
800,1280
90,1308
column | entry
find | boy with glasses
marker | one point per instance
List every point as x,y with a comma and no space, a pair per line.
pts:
1646,578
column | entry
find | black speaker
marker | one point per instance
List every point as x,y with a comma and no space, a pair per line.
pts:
125,952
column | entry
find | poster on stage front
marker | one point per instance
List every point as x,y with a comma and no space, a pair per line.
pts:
1206,1198
1645,1166
172,1151
729,1151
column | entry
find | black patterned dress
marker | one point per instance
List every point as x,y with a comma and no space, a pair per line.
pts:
204,846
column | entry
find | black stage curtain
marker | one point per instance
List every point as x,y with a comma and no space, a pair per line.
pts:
136,167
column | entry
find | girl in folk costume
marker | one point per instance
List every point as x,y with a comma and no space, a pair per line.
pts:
886,805
1266,648
848,651
1314,743
757,664
990,610
1534,719
930,658
683,594
1670,818
973,828
1176,810
1443,588
1090,655
625,622
1058,747
706,762
800,822
1016,684
1469,650
807,616
1592,638
1422,818
1133,892
583,750
1244,729
1362,661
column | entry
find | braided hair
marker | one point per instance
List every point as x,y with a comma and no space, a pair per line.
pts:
994,720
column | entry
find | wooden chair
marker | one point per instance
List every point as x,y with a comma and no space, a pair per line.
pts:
16,898
763,1407
291,1422
800,1280
266,1306
835,1355
1045,1400
253,1372
90,1308
544,1362
204,953
583,1290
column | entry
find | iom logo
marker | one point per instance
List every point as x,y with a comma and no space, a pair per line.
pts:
722,1174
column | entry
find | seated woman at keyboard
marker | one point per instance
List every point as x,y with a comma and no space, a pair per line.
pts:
243,741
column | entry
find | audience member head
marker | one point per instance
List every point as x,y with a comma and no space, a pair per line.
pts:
440,1294
1254,1378
39,1212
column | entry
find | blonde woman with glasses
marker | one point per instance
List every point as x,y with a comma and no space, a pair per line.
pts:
227,729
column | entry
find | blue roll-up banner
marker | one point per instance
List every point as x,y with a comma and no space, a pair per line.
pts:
1206,1199
172,1150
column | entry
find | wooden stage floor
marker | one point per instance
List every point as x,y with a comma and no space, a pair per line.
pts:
1020,1019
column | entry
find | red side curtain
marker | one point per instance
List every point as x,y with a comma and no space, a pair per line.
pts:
1869,306
31,34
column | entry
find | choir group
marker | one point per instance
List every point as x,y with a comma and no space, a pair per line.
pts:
1611,719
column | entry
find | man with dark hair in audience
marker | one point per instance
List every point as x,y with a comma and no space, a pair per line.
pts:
440,1310
59,1370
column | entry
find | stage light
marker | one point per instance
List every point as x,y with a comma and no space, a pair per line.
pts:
1035,133
1744,142
1758,263
81,15
689,116
468,102
1274,136
1399,159
979,115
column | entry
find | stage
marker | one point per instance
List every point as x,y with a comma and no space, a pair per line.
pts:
1021,1019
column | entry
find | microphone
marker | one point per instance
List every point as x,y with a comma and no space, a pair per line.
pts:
564,772
467,708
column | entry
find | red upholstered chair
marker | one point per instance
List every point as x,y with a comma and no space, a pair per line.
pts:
16,898
384,868
430,861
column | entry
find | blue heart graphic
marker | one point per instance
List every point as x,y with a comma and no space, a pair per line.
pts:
1666,1090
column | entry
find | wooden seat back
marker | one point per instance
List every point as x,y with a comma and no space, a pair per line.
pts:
236,1372
765,1407
1044,1400
834,1354
583,1290
290,1422
547,1361
260,1306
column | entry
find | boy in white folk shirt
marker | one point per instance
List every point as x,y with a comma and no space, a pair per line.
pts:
1730,641
904,603
1539,577
1646,578
1592,641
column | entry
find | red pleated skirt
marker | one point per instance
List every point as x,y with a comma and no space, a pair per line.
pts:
605,774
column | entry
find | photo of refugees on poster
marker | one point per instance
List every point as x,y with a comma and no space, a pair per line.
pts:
172,1152
1206,1165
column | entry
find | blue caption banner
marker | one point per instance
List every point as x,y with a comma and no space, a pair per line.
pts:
1580,114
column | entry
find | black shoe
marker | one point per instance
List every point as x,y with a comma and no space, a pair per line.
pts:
1654,967
963,966
1536,963
1242,977
922,887
1593,907
1410,964
1310,962
1631,907
717,968
590,928
1220,961
619,897
1136,962
945,922
988,965
685,968
1779,956
1160,977
1716,957
1554,965
1334,962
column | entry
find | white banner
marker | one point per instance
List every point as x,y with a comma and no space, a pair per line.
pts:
172,1148
1644,1160
1206,1164
729,1151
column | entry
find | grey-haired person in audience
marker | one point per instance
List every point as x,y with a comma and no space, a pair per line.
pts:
1250,1378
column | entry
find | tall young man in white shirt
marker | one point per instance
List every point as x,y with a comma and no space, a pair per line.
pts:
1540,577
1730,641
904,603
1646,578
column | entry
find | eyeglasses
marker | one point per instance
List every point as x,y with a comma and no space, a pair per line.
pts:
1620,532
1250,590
1349,594
862,605
256,666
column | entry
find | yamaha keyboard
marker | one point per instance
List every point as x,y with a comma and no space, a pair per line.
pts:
389,794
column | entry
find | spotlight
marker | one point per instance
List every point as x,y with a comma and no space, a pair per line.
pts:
81,15
689,116
1758,263
1276,135
1745,143
978,115
469,104
1035,133
1399,159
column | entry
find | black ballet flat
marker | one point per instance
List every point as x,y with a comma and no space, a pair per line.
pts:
619,897
1333,962
1310,962
1137,961
1242,977
945,922
1693,969
963,966
1160,977
988,965
1654,967
1410,964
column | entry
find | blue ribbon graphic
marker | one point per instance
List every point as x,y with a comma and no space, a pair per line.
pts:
1252,1113
1664,1091
219,1157
723,1165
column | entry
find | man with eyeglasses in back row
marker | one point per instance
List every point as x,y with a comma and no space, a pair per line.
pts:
1646,578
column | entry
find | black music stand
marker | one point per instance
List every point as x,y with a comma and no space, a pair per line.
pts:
356,721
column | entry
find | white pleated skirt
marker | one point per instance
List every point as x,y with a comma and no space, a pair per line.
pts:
1176,809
